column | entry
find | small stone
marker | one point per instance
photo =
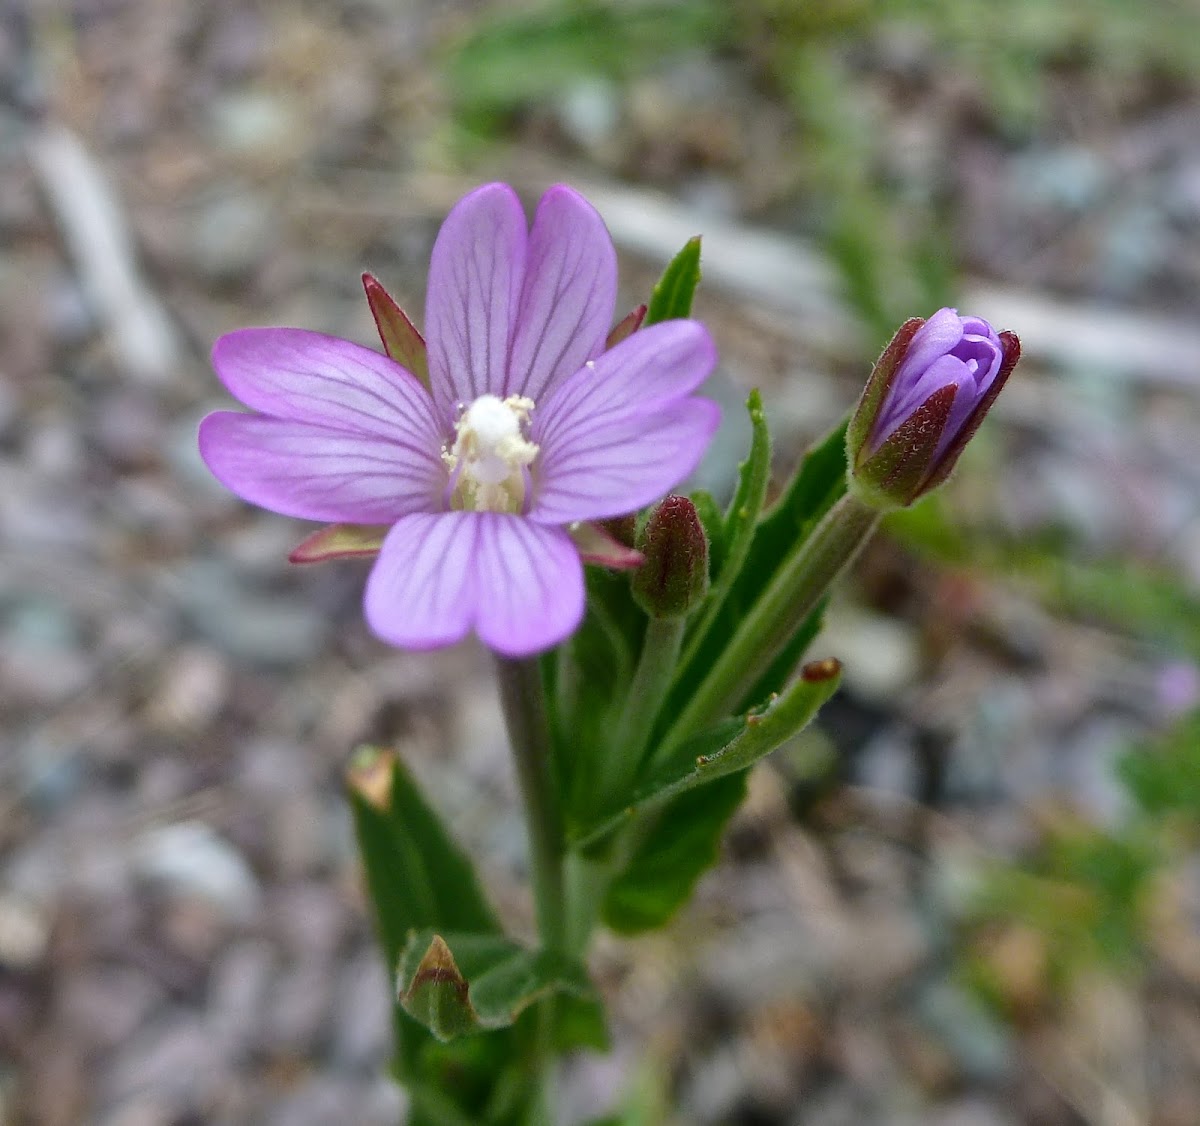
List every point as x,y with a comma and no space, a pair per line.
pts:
144,1110
272,629
231,236
236,995
362,1015
105,1006
191,691
590,112
24,933
189,859
297,1008
129,429
980,1046
255,122
173,1059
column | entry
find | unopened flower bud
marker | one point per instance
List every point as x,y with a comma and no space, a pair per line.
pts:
674,578
926,396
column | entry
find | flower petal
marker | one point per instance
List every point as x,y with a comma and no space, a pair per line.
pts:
568,297
310,377
942,372
595,470
936,337
530,585
475,279
519,585
421,593
652,368
315,473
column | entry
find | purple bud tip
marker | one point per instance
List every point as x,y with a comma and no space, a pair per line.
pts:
927,395
947,351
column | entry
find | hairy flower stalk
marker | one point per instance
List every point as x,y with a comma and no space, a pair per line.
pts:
526,427
926,396
668,586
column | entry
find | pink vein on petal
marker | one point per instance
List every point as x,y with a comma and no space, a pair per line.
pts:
475,277
568,297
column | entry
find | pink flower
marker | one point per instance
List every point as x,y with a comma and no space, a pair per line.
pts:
528,426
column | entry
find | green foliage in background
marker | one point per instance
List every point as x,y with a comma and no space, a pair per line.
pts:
1090,897
887,228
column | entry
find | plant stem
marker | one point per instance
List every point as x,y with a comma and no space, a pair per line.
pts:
524,706
522,697
791,596
656,666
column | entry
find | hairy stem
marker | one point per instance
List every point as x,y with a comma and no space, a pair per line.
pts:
523,699
656,666
791,596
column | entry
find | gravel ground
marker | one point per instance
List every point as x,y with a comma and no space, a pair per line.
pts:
183,935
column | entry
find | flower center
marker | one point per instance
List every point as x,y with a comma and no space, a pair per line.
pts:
489,456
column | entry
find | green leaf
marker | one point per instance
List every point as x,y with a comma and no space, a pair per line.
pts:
818,484
713,521
672,296
594,669
680,847
730,746
785,664
512,59
464,983
417,876
416,873
739,526
1164,777
701,791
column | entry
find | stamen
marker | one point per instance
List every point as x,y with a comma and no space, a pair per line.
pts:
490,454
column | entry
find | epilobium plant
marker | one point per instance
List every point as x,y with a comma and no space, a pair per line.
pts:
500,472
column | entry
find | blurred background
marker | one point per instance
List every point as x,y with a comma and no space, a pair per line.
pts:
987,913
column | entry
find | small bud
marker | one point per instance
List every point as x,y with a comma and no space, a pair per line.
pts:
674,578
926,396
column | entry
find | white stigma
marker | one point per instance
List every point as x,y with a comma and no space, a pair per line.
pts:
490,453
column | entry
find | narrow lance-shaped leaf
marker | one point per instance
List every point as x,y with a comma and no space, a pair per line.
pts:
683,841
683,844
740,523
673,295
417,875
817,485
731,746
713,520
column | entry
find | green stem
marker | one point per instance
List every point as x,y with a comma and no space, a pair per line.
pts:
791,596
522,697
524,706
656,666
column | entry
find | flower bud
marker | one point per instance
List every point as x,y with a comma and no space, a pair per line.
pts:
674,578
926,396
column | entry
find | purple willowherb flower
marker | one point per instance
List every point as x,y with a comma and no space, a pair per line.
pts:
528,425
926,397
